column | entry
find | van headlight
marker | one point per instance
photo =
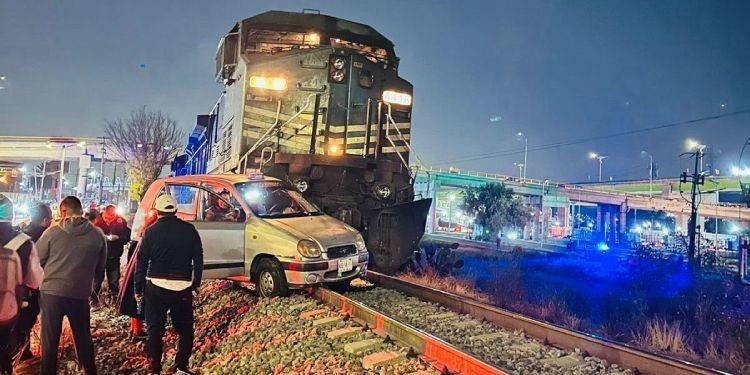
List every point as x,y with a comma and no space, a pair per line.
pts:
359,243
308,249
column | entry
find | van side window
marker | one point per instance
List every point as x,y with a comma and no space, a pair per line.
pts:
219,207
186,203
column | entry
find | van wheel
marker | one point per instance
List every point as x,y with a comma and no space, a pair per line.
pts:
270,280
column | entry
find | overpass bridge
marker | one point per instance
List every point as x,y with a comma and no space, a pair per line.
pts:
41,166
555,203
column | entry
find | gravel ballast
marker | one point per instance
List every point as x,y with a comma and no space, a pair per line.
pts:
512,351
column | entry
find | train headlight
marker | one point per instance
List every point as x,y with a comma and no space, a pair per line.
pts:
394,97
308,249
335,150
338,75
312,38
267,83
338,62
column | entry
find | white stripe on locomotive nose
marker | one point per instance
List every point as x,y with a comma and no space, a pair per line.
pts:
340,128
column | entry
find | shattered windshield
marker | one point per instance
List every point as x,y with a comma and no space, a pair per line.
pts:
272,200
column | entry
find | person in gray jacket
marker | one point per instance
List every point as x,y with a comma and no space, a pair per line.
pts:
72,254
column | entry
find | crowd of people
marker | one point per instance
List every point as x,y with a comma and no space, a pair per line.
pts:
54,269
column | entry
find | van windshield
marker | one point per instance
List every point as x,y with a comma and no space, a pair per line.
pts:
272,200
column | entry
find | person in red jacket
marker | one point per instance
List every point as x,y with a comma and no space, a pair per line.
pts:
116,230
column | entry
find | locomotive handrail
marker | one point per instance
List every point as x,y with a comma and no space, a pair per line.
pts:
408,144
395,149
277,125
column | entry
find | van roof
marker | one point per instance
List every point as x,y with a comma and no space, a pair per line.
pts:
228,177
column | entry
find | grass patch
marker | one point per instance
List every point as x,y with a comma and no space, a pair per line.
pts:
451,284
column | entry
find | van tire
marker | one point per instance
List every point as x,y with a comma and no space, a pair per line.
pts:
270,280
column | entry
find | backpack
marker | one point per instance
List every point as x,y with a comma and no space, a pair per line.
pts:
11,279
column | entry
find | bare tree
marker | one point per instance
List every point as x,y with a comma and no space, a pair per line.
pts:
147,141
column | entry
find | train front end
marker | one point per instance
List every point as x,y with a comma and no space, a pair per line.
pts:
317,101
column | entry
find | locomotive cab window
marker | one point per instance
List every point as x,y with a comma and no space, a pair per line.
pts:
374,54
270,42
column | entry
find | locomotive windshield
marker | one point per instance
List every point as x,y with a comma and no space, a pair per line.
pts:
268,41
271,42
373,54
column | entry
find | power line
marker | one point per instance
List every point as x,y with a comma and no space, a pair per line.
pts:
496,154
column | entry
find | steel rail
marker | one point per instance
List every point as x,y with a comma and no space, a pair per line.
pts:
431,348
625,355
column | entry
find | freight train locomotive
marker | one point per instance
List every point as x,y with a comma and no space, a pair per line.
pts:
317,102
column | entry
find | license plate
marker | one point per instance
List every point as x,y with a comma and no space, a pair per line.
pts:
345,265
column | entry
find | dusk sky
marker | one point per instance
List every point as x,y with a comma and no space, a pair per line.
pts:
556,70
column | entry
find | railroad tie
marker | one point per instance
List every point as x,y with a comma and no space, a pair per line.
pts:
379,359
565,362
465,324
312,313
359,347
303,305
344,332
331,320
527,347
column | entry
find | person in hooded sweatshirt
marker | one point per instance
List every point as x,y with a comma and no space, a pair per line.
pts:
72,254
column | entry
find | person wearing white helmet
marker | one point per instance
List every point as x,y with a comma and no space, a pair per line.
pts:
168,273
20,273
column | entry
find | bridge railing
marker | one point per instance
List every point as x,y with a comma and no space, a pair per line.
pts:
493,176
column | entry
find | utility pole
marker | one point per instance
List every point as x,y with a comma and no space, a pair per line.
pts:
697,178
521,168
451,198
650,175
101,172
62,174
525,155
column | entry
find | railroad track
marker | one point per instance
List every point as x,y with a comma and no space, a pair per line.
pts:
460,335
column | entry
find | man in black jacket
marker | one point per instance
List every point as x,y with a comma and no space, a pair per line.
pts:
169,270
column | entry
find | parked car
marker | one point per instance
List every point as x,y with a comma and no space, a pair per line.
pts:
254,227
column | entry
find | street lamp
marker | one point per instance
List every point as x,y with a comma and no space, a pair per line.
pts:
525,153
650,171
594,155
64,146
